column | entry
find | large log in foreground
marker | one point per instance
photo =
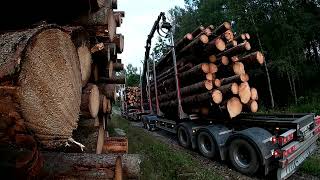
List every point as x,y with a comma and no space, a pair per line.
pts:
43,65
88,166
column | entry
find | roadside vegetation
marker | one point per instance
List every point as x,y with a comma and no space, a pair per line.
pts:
159,161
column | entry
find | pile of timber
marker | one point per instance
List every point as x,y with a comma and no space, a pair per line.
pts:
211,64
132,97
52,74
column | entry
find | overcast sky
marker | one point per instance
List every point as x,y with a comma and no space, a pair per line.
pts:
139,18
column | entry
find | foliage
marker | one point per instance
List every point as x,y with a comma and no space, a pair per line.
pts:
132,77
286,31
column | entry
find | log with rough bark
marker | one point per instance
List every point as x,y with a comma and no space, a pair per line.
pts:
215,46
231,88
115,145
100,139
90,101
119,41
104,18
222,28
88,166
199,87
240,48
109,90
113,80
103,104
253,57
118,67
41,81
236,78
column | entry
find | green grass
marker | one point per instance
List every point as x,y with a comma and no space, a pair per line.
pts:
159,160
311,166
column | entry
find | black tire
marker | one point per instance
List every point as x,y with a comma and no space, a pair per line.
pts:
243,157
206,144
184,137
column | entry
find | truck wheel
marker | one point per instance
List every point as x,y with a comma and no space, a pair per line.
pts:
206,144
243,157
148,126
184,137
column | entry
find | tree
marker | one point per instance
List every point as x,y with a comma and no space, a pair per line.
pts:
132,77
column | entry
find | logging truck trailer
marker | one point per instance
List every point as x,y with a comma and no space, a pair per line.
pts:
251,143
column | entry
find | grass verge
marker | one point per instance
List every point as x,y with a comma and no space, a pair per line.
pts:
311,166
159,160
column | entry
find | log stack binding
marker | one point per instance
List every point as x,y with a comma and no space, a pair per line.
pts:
212,66
52,75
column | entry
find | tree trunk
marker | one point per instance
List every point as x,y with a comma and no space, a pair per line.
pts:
199,87
116,145
113,80
34,61
236,78
250,58
82,165
118,67
90,101
222,28
231,88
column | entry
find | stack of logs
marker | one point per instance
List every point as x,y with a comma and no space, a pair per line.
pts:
52,73
132,97
211,65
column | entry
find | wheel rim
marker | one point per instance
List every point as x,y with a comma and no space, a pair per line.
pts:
242,157
205,143
183,136
148,126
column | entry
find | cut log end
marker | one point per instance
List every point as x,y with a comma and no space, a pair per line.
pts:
217,83
224,60
213,68
244,92
227,25
247,46
234,107
238,68
253,105
247,35
228,35
204,39
220,44
208,84
244,77
243,36
210,76
260,57
254,94
212,58
234,88
94,101
189,36
85,64
205,67
234,58
217,96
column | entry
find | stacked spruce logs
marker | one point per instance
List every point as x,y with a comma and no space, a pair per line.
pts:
211,64
132,97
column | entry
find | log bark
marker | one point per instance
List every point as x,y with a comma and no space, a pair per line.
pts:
251,58
119,41
215,46
222,28
103,104
100,139
109,90
229,89
241,38
115,145
83,165
236,50
102,21
118,67
231,44
199,87
113,80
36,60
236,78
118,174
90,101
